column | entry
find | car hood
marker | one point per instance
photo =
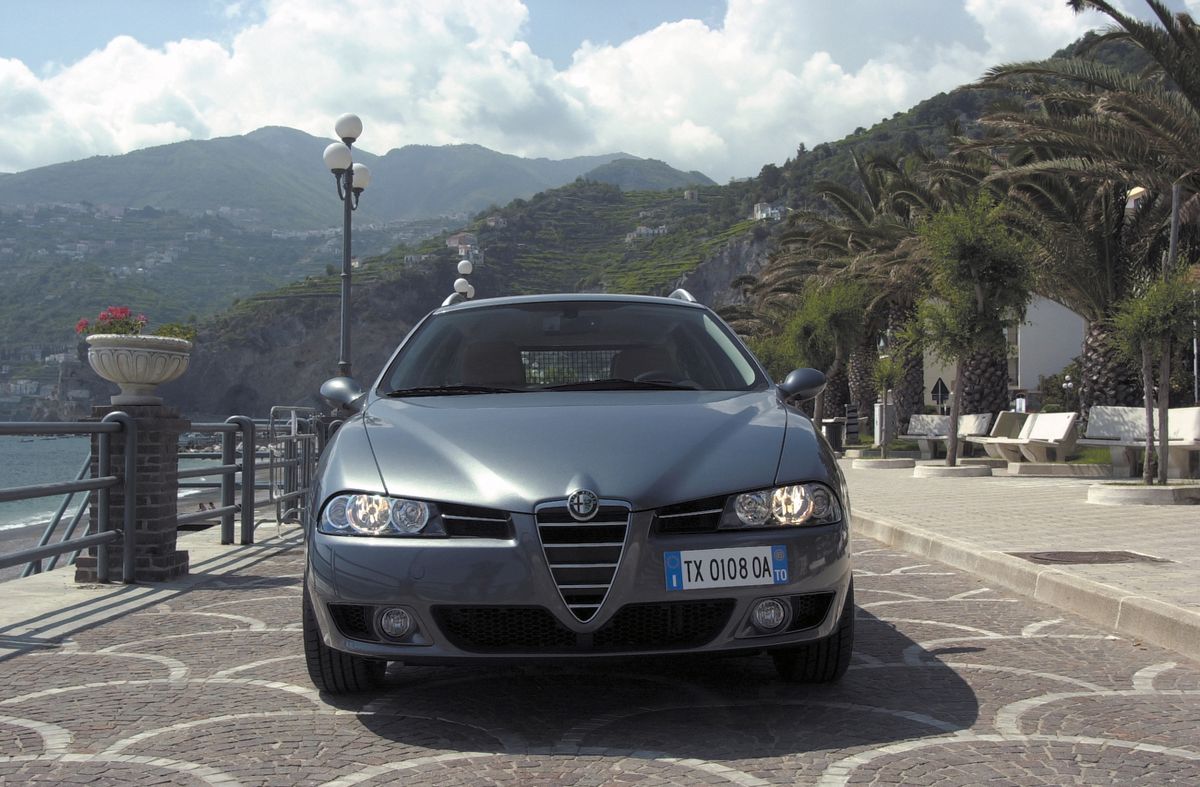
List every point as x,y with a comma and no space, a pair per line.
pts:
512,451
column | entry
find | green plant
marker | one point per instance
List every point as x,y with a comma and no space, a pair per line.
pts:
176,330
114,319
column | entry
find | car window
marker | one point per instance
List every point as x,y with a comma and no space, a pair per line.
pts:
539,345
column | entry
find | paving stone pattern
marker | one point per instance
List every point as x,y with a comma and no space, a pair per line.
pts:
952,682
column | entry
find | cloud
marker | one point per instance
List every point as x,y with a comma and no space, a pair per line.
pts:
724,99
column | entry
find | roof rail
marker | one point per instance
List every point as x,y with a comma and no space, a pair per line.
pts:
682,295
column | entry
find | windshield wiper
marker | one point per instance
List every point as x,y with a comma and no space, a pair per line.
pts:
451,390
617,384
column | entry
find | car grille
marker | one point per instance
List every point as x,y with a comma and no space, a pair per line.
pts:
635,627
470,522
695,516
583,556
679,624
504,629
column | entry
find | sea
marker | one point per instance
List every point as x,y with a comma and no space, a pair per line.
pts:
25,461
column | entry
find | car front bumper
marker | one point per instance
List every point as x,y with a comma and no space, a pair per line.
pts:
494,598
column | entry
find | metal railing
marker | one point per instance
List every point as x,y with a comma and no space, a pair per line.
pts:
103,481
259,464
289,446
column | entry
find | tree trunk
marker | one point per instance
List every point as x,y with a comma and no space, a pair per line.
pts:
884,426
909,393
1105,378
1164,396
955,411
1148,386
860,374
983,382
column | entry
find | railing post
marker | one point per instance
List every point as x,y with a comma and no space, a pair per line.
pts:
228,457
247,428
130,480
103,469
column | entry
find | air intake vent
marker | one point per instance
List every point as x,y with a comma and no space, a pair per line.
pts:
583,556
471,522
697,516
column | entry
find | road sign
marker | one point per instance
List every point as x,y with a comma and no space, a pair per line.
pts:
940,393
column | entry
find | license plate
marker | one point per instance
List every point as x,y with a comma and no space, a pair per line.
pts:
694,569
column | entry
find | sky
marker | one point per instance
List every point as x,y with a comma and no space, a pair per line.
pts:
720,86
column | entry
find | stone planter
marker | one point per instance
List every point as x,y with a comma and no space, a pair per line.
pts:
138,364
958,471
884,464
1135,494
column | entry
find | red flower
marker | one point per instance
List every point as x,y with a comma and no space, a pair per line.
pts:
82,325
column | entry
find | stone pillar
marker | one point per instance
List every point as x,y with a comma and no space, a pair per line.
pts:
156,558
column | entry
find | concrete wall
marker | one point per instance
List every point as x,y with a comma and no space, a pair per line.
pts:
1051,336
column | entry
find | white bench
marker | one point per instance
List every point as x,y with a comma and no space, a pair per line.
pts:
1183,442
930,431
1122,430
924,428
1044,437
1052,438
1007,427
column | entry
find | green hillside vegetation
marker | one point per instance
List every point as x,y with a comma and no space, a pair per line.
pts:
64,262
575,238
646,175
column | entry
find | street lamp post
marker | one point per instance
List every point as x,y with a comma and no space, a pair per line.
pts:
351,179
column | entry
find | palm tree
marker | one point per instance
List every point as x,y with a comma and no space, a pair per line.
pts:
868,237
1094,134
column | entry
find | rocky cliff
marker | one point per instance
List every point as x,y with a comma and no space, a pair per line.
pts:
278,349
711,281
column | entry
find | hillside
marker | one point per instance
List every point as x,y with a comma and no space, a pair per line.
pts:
274,177
96,238
646,175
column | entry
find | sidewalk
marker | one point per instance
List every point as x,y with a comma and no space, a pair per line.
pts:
977,523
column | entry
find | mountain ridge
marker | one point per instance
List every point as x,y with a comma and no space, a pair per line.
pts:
274,177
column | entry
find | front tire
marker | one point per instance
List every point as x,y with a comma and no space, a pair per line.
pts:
333,671
825,660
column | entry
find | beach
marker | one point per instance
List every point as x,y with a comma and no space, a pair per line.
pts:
14,538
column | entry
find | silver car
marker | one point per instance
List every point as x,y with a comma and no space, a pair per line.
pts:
572,477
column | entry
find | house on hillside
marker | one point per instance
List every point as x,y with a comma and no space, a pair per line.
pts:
765,211
460,239
643,231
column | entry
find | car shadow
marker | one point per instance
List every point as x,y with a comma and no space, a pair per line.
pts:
682,707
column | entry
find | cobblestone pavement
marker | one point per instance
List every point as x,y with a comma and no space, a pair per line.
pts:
952,682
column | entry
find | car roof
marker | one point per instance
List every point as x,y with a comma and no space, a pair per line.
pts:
570,297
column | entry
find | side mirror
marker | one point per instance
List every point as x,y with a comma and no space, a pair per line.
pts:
802,384
344,393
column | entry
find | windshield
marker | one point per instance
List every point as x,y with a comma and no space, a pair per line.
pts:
573,345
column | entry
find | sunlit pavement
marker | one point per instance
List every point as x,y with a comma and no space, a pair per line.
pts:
954,681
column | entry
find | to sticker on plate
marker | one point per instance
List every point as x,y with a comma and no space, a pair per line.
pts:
694,569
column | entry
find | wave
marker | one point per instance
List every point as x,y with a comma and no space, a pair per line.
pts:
38,521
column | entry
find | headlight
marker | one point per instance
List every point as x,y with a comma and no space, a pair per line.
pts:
783,506
377,515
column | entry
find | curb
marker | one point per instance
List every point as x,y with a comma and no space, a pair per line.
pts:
1131,616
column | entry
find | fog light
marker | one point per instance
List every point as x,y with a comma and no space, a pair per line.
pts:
769,614
396,623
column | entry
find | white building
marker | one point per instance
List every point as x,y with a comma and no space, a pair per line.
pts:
1051,336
